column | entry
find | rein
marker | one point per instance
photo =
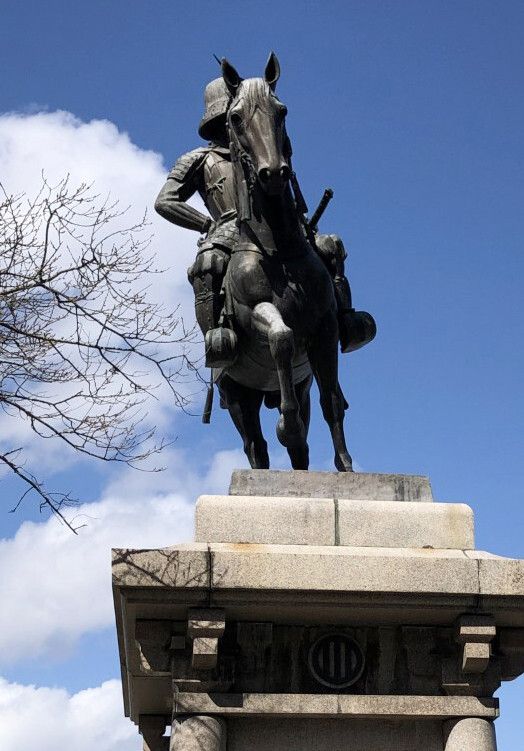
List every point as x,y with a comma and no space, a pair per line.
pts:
245,186
246,179
242,161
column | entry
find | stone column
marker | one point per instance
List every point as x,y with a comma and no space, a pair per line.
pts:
198,733
470,734
152,728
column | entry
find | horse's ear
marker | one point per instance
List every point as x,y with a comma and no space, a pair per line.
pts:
230,76
272,71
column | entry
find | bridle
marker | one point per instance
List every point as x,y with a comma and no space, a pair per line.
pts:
242,163
246,175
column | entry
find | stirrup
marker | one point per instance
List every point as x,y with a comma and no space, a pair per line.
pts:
221,347
356,329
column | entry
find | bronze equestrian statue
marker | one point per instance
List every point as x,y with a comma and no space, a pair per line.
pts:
274,321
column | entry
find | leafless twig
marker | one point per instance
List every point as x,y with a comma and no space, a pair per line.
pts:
82,346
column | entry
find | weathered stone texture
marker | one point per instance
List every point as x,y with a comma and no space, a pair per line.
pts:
470,734
359,486
225,632
337,705
198,734
501,576
277,520
306,568
322,521
334,735
407,525
183,566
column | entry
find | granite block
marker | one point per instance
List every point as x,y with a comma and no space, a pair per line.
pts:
183,566
261,519
305,568
406,525
335,705
362,486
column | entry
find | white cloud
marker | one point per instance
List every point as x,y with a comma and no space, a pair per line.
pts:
50,718
59,144
56,586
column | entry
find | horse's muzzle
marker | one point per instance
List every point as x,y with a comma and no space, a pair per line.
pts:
274,180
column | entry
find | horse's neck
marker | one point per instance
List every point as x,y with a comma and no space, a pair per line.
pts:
274,219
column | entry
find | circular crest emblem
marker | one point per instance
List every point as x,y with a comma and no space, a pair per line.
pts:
336,660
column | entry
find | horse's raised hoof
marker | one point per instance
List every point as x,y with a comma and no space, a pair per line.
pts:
343,462
291,431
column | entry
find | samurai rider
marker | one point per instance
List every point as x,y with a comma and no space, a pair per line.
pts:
208,171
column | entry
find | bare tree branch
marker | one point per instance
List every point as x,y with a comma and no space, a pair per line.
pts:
82,346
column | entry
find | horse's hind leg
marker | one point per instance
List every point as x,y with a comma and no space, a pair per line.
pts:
267,319
244,405
323,356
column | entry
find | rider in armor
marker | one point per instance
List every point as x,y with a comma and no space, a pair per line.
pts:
208,171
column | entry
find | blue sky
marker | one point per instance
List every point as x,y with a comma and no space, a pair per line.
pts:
413,113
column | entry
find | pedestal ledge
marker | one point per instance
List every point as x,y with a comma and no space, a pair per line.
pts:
334,705
340,582
321,521
359,486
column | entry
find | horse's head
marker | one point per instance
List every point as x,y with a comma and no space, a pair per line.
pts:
256,125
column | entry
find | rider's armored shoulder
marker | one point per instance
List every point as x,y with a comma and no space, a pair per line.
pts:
186,166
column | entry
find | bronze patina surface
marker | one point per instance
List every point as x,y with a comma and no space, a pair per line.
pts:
271,294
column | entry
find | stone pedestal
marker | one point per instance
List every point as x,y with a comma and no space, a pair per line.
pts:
319,612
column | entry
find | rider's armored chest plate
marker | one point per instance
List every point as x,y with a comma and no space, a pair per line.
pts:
218,189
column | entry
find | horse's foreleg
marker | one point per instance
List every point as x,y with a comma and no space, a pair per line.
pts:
323,356
299,455
267,320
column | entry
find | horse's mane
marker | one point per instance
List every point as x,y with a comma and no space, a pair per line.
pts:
252,90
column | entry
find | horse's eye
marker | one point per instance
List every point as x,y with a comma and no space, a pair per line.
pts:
236,119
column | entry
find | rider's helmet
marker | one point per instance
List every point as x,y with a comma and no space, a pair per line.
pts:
216,101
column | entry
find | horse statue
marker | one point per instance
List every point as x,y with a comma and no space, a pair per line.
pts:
279,296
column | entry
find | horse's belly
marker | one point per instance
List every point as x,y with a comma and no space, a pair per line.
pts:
256,369
307,296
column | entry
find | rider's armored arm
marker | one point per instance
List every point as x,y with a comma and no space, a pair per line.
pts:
181,184
171,204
